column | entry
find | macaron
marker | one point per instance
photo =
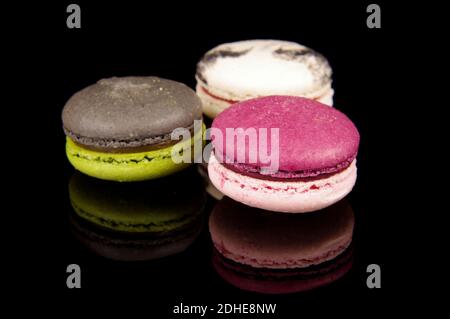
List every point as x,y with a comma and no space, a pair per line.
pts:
282,281
237,71
265,239
311,150
137,221
119,129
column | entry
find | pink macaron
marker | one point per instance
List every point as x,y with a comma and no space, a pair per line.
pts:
284,153
264,239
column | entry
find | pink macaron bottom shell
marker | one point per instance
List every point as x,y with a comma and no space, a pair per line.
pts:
293,281
282,196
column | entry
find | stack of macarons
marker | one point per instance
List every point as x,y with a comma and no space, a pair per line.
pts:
120,129
130,129
255,88
277,147
237,71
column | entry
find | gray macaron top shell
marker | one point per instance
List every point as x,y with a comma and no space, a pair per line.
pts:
129,112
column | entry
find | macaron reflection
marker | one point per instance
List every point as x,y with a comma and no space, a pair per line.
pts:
268,252
139,221
276,281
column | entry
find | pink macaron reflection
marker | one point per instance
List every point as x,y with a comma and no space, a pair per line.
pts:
276,281
277,247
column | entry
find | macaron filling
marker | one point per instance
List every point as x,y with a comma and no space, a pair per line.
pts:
293,176
321,96
217,97
125,145
74,150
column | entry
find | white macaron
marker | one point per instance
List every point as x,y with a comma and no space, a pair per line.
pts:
237,71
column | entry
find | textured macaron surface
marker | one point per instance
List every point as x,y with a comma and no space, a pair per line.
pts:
265,239
129,112
313,138
240,70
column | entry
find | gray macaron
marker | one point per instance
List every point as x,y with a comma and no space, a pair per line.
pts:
120,113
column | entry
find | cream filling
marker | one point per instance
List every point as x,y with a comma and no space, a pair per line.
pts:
212,106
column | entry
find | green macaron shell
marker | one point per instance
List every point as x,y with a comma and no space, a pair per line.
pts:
128,167
148,207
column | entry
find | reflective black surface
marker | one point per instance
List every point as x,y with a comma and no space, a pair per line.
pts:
194,272
167,39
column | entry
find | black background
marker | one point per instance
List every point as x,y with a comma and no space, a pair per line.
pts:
166,40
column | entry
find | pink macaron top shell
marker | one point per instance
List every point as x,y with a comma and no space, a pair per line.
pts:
313,138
